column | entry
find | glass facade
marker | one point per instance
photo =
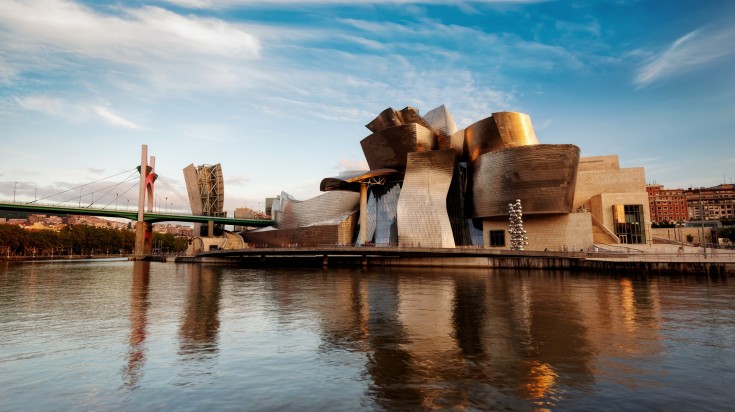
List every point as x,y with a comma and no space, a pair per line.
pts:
381,208
629,224
496,238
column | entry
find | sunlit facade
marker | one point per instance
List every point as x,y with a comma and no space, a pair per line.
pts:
431,184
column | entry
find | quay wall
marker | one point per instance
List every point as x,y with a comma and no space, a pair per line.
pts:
572,263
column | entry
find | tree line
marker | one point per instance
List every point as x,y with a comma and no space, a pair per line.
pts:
79,240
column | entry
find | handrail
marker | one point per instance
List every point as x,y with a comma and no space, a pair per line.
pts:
604,228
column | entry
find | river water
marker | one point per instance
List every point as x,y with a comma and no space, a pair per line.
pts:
118,335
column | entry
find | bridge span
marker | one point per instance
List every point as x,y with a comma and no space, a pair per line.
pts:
149,217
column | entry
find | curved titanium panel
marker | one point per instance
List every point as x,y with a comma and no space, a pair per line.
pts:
327,208
391,118
387,149
542,176
440,120
422,206
499,131
351,180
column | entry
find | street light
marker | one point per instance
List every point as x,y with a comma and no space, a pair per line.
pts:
701,213
14,188
116,195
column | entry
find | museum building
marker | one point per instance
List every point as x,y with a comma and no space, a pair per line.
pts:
431,184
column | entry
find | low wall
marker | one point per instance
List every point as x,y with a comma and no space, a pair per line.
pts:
490,262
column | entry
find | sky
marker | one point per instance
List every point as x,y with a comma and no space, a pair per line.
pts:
278,92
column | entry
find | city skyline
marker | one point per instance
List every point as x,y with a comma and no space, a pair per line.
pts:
278,93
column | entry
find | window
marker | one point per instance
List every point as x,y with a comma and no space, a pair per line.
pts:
497,238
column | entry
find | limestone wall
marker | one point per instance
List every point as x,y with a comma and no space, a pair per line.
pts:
550,232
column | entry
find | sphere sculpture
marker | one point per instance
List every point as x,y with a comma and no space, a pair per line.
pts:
518,237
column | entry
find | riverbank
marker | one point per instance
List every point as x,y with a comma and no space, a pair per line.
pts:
59,257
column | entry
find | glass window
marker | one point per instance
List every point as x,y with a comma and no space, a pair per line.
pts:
497,238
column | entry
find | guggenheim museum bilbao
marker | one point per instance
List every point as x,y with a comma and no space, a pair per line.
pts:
431,184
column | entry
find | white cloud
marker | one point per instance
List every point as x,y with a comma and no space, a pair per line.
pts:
46,104
350,164
219,4
114,119
691,51
65,36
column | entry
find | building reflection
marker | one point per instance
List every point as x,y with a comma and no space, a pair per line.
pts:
200,319
138,322
479,339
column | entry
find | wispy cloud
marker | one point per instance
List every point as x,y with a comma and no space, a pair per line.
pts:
689,52
114,119
218,4
46,104
73,111
38,35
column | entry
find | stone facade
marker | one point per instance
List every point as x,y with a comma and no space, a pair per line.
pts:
548,232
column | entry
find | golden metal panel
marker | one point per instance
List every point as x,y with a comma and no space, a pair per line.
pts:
499,131
391,118
441,121
619,213
422,207
388,148
542,176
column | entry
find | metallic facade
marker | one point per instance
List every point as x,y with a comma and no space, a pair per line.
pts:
542,176
351,180
422,207
390,118
440,120
382,210
499,131
388,148
340,233
328,208
430,184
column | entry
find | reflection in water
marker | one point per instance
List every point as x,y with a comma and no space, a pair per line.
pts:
138,322
200,323
224,338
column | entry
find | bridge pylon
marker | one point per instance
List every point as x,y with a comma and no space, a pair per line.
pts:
143,229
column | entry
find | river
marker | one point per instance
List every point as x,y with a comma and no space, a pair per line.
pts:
118,335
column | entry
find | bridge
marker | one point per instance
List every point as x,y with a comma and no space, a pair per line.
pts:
144,215
130,214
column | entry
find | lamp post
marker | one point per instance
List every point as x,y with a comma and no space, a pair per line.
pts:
701,213
165,204
14,189
116,196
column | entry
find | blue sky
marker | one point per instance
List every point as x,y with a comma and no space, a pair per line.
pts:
279,91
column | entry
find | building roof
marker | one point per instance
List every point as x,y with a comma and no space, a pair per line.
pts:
351,180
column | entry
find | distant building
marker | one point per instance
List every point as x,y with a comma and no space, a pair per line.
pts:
677,205
667,205
713,203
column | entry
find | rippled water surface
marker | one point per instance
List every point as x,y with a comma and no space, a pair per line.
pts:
117,335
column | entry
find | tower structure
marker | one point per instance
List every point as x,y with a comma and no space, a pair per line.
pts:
143,229
206,189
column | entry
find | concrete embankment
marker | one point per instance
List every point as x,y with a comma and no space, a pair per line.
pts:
458,258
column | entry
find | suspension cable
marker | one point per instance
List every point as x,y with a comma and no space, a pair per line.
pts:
80,186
